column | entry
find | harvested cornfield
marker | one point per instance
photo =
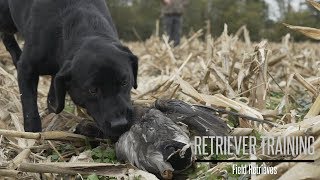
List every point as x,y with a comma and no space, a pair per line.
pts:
263,80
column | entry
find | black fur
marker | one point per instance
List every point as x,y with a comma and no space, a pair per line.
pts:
76,42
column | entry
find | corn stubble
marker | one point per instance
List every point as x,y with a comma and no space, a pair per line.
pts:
264,80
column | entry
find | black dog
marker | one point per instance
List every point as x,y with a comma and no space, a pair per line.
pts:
76,42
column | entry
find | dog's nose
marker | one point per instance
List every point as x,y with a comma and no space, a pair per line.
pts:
121,123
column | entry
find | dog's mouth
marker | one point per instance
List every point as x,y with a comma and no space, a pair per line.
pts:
115,128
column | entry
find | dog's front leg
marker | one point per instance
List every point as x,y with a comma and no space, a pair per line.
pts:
28,84
12,46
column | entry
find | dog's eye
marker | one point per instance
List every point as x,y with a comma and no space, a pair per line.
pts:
124,83
93,91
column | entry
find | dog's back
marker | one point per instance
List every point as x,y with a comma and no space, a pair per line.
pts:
6,22
31,14
49,23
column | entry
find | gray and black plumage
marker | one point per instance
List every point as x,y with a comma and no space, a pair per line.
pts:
201,121
156,144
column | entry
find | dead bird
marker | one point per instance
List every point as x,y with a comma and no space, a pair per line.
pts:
156,144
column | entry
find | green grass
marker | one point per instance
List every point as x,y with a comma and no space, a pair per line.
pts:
96,177
69,107
93,177
194,173
301,104
104,155
230,172
61,149
274,100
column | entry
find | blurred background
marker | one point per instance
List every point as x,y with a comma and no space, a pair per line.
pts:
136,19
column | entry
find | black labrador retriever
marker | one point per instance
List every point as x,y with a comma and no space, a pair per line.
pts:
76,42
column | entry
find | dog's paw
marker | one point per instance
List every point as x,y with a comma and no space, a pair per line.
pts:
88,128
32,124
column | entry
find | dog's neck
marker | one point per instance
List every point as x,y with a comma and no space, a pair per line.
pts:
82,24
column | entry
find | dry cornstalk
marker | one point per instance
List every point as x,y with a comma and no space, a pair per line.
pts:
19,158
50,135
258,95
227,52
194,36
181,67
152,90
243,29
308,31
246,36
188,89
10,173
6,74
143,102
314,130
314,4
302,171
305,84
315,109
314,80
222,101
56,151
157,28
241,131
220,76
287,90
165,86
103,169
276,59
4,115
169,50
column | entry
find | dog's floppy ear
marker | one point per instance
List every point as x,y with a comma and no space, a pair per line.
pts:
60,89
134,63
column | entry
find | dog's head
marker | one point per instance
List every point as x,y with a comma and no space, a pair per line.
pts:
100,78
